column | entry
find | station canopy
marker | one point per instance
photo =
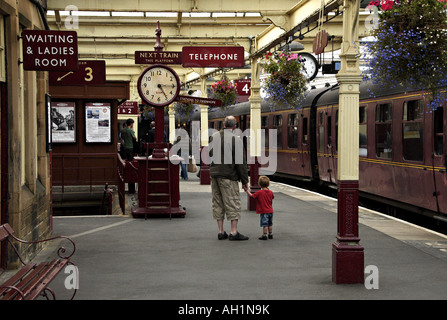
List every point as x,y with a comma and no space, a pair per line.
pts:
114,30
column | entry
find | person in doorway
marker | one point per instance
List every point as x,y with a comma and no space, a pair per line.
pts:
264,199
128,137
226,171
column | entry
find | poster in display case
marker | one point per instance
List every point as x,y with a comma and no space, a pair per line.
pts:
98,120
63,122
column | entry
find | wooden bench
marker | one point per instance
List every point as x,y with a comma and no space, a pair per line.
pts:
32,280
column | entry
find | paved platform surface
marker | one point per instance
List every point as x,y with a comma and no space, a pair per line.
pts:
120,257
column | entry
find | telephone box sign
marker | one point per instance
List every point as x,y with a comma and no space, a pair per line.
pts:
213,57
47,50
158,57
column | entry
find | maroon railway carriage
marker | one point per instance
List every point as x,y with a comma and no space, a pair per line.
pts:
402,144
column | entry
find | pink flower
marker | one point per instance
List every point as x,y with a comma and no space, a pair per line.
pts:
387,5
293,56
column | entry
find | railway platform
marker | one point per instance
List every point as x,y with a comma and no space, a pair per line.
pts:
124,258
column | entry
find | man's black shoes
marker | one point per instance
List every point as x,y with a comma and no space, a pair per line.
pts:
222,236
238,236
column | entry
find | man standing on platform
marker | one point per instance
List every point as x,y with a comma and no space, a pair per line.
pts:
128,137
228,165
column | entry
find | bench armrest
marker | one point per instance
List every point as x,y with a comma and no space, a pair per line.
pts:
60,252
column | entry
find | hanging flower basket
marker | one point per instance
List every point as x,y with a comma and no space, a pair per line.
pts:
225,91
410,45
285,83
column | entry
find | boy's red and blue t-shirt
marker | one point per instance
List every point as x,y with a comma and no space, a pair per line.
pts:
264,200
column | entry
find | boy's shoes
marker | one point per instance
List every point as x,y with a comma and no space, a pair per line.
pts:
222,236
263,237
270,236
238,236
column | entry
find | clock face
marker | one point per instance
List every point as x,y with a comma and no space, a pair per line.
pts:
310,65
158,85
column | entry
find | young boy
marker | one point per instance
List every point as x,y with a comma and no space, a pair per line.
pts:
264,199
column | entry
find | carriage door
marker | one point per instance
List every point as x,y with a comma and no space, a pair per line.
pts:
439,124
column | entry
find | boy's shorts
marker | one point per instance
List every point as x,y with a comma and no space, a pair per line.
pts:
266,219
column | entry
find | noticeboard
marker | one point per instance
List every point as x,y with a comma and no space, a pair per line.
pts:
98,118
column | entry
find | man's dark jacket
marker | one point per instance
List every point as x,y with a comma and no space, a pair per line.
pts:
237,168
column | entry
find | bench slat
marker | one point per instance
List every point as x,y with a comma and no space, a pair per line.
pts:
50,273
24,283
16,278
36,276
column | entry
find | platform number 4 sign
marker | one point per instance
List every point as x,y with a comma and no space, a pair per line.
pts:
243,87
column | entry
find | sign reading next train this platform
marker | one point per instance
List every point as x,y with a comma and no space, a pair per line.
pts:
158,57
47,50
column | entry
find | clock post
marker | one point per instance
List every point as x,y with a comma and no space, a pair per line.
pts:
158,152
158,185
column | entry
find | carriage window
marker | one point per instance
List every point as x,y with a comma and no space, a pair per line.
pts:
212,124
277,124
412,130
264,126
439,131
292,131
321,132
304,136
363,151
329,131
383,130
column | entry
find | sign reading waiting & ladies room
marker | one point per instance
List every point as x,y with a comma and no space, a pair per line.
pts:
48,50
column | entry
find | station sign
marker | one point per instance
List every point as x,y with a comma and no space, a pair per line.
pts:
128,107
89,72
243,87
47,50
158,57
197,100
218,57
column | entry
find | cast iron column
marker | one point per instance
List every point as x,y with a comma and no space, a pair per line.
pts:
347,253
204,158
255,130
